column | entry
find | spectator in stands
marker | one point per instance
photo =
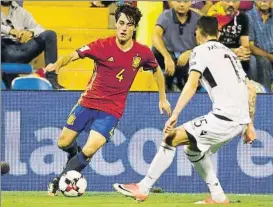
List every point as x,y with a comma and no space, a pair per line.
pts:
108,3
246,5
234,29
22,39
101,3
173,41
201,7
198,6
261,43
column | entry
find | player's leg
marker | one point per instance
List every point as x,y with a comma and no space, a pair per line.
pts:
207,134
198,153
159,165
81,160
164,157
204,166
102,130
77,120
67,142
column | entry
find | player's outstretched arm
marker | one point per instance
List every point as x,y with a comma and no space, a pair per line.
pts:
186,95
252,96
249,134
159,79
188,92
163,102
63,61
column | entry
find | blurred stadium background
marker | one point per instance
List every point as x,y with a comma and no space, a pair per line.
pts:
76,24
32,120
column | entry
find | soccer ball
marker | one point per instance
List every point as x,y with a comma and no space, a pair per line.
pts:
72,184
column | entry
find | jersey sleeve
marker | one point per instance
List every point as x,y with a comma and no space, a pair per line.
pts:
197,62
150,62
93,50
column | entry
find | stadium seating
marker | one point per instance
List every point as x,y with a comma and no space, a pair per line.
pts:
31,83
71,38
15,68
76,24
3,86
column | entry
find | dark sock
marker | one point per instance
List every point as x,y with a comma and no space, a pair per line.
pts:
78,163
72,150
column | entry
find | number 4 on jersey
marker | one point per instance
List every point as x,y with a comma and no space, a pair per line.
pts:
119,76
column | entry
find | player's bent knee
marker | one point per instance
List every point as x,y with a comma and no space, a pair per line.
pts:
169,139
193,156
63,142
177,137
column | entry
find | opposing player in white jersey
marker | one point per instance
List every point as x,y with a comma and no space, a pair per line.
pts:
233,98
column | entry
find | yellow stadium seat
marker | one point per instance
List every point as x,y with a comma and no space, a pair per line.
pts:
74,79
70,17
76,75
77,79
144,82
74,38
57,3
76,24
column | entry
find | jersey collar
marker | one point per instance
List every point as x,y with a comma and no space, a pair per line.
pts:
176,20
213,40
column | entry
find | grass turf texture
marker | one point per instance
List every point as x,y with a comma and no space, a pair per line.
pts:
94,199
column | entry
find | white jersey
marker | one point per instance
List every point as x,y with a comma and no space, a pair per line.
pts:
224,79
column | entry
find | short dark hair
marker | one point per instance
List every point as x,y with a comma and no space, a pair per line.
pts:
132,13
208,26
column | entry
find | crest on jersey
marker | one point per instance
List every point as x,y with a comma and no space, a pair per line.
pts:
71,119
136,61
110,59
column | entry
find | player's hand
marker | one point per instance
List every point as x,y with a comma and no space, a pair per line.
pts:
51,67
15,33
169,66
25,36
184,58
165,105
171,123
243,53
249,134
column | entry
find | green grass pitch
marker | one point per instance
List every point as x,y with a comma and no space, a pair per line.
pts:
40,199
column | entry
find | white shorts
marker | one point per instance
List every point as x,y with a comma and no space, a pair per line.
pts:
209,133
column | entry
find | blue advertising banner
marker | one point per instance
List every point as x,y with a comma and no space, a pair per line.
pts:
32,122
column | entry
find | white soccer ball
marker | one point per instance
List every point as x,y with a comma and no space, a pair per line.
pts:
72,184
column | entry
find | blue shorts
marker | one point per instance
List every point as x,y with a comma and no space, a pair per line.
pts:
81,118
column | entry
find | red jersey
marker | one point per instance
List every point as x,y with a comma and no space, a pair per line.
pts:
114,73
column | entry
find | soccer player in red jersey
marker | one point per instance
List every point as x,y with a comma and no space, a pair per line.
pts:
117,62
